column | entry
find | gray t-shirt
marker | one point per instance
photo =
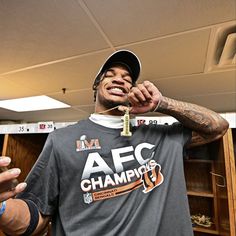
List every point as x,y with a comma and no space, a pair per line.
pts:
93,181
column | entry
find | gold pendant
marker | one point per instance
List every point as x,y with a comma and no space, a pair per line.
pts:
126,124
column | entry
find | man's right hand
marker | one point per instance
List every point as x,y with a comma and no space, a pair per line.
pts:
8,184
12,222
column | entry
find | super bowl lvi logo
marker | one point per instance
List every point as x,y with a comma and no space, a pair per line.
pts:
84,144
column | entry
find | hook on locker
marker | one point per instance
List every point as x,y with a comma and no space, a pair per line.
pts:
223,180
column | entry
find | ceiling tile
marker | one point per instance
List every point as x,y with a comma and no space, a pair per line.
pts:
34,32
132,21
173,56
56,115
201,84
7,115
225,102
10,90
76,98
72,74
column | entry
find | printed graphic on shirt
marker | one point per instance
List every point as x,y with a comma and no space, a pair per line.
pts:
83,144
108,183
152,178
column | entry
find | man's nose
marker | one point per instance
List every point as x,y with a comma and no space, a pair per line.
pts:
118,79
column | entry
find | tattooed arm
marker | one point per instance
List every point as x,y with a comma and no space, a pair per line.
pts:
207,125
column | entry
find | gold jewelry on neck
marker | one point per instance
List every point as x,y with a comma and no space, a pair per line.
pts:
126,121
126,124
113,108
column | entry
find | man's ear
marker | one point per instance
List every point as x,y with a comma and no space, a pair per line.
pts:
98,80
94,95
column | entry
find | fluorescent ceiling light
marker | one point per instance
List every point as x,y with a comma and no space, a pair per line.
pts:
35,103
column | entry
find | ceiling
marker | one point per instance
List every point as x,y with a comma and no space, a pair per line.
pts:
187,49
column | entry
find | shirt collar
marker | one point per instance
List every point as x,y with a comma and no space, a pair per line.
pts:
109,121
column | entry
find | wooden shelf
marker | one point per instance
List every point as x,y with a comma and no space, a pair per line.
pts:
198,177
200,194
205,230
198,160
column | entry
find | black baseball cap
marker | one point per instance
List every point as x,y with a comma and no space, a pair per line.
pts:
122,57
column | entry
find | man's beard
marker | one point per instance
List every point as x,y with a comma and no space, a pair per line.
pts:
108,104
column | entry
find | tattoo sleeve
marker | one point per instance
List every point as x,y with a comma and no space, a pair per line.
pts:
206,125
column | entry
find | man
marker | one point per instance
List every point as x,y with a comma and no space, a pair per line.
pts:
94,178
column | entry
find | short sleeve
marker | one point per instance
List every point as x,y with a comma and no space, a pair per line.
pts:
42,181
184,132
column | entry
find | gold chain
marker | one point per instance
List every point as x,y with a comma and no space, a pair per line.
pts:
113,108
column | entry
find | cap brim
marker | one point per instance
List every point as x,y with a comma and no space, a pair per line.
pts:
124,57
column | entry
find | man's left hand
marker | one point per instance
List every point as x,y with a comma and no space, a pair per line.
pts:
144,98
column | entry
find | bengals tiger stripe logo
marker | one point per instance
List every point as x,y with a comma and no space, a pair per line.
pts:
152,178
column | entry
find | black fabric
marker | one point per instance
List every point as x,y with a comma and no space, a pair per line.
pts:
34,218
